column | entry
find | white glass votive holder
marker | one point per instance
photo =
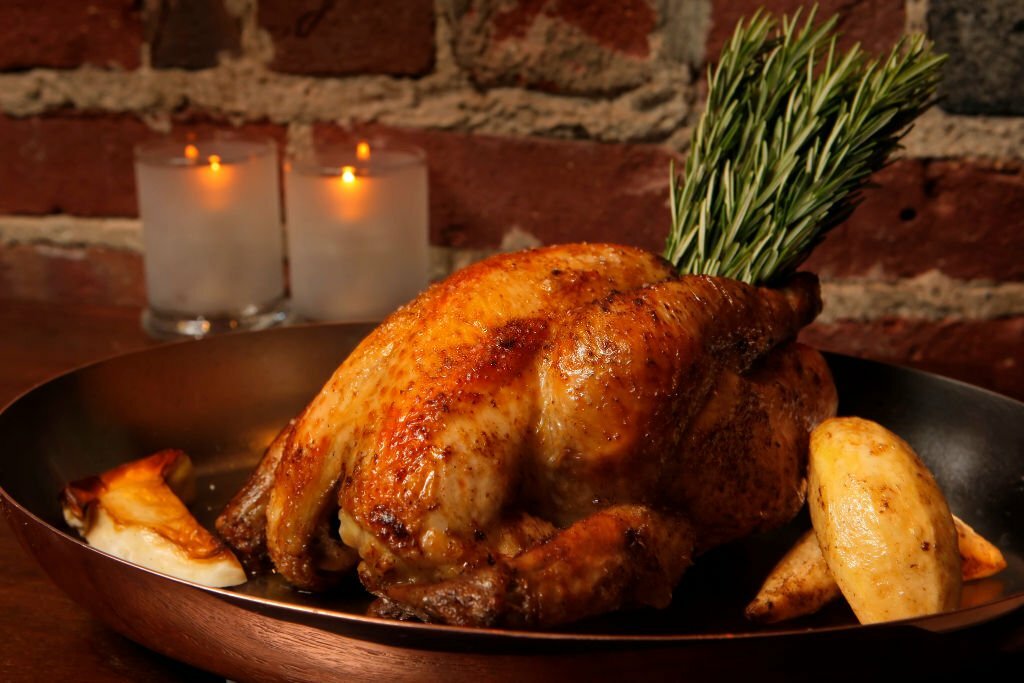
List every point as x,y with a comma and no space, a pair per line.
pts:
212,235
357,225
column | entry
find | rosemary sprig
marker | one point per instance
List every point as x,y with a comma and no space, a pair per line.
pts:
791,133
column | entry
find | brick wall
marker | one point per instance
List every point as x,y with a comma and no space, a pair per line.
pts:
544,121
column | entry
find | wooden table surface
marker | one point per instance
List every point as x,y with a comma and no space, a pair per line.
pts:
44,636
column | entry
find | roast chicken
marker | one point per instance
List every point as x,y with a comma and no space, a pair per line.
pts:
542,437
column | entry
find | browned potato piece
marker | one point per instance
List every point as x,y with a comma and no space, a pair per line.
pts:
134,512
800,584
979,559
884,527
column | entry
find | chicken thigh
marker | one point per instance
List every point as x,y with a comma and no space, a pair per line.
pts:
544,436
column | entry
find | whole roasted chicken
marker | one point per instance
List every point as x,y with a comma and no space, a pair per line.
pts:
544,436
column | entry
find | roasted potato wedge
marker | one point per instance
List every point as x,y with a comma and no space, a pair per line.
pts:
801,584
979,559
134,512
882,523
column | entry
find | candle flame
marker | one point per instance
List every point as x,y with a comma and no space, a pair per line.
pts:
191,152
348,174
214,162
363,151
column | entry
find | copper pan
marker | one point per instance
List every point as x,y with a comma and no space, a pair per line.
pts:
222,399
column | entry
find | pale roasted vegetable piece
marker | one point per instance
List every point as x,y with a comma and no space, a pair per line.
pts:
134,512
801,584
883,525
979,559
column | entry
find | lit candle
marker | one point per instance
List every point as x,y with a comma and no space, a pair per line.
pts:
211,230
357,231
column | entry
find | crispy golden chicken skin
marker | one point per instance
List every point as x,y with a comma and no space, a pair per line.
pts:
542,437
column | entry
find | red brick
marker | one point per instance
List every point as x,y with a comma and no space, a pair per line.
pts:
571,46
64,34
875,24
79,165
68,164
350,36
989,353
959,217
560,191
89,275
623,26
190,34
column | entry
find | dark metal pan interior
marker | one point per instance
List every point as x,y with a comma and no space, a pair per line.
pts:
223,399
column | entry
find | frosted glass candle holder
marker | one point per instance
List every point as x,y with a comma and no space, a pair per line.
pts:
357,226
212,234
